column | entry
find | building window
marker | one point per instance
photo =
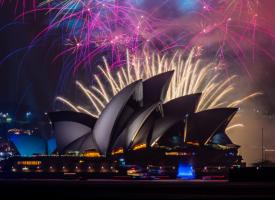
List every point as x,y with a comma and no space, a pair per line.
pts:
91,153
29,162
172,153
140,146
194,143
117,150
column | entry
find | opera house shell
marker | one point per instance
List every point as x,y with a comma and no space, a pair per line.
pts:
136,121
139,127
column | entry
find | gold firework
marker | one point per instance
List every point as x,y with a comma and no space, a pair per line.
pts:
189,78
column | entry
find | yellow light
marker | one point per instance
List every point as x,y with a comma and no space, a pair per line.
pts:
194,143
117,150
172,153
91,153
140,146
29,162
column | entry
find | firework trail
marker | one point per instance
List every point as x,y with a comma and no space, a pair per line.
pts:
92,28
189,78
33,2
123,30
234,126
68,103
86,111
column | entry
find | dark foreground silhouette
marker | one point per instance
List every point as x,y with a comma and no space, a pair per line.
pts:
137,189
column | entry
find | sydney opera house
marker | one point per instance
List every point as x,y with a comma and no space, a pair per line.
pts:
136,135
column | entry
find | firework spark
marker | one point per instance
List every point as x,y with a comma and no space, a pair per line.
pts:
96,26
189,78
67,102
234,126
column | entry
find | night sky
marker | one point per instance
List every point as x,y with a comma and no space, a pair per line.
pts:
35,72
36,76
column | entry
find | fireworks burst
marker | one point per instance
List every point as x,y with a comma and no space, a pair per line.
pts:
189,78
117,29
109,27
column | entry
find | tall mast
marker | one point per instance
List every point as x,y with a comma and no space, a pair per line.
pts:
262,147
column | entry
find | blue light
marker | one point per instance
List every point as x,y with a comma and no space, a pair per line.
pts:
186,171
187,115
121,159
28,145
230,153
138,2
51,145
186,6
193,153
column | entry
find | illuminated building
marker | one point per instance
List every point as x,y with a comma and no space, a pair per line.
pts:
27,145
19,131
136,130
